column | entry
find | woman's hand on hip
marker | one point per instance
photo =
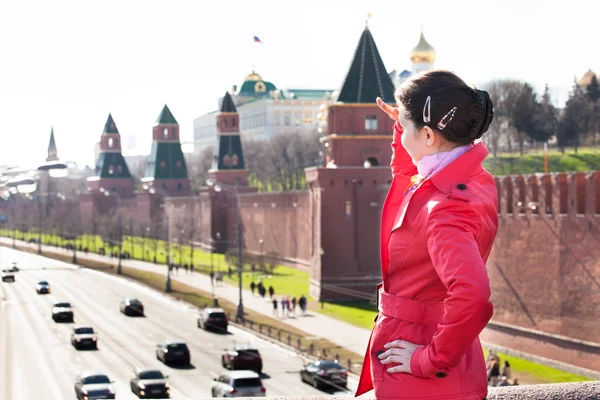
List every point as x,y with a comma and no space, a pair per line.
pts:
392,112
398,352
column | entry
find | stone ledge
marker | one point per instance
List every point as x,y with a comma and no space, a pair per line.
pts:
560,391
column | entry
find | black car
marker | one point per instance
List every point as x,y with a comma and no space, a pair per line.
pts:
93,385
7,276
131,306
173,352
241,358
62,311
324,373
84,336
213,318
149,383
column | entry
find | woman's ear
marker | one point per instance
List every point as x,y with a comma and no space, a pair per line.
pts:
430,136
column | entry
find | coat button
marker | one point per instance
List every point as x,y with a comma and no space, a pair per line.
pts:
461,186
440,375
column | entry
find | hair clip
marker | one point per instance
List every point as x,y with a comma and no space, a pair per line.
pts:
427,110
446,119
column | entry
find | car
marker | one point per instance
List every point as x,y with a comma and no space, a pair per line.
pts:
238,384
242,357
213,318
149,383
84,336
62,311
324,373
93,385
131,306
42,287
14,267
7,276
173,351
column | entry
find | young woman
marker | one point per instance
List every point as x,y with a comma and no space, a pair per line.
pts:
438,225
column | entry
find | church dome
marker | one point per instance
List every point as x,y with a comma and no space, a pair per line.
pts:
586,79
255,86
253,77
423,52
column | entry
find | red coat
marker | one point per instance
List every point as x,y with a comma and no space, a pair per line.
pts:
435,291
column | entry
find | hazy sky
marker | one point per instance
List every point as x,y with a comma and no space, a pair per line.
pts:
68,63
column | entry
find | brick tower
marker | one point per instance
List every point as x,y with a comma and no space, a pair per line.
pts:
228,161
166,168
111,171
359,132
348,191
52,153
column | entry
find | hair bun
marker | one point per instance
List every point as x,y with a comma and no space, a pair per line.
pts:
482,114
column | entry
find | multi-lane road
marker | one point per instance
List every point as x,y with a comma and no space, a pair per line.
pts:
37,360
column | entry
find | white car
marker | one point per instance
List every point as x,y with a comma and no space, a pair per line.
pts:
94,385
42,287
62,311
238,384
84,336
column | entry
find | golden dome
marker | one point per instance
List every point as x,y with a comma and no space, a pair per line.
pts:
253,77
586,79
423,52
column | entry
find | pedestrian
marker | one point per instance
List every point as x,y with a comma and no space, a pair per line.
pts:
275,307
288,302
229,271
283,306
185,266
192,269
212,278
176,269
506,370
494,372
271,291
294,301
503,382
252,287
515,382
438,225
302,304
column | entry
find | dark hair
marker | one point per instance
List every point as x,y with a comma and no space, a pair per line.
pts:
474,110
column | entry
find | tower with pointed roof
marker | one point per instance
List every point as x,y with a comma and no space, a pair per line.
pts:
111,172
422,56
228,164
359,133
346,192
52,152
166,169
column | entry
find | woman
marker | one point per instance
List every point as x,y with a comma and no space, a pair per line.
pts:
506,369
438,226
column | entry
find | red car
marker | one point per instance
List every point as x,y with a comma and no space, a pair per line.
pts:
242,358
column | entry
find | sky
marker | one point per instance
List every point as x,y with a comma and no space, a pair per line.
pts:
68,63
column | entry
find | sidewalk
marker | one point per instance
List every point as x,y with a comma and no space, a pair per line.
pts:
341,333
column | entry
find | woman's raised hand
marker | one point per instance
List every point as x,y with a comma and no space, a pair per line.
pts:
393,112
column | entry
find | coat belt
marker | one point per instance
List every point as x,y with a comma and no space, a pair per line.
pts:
408,310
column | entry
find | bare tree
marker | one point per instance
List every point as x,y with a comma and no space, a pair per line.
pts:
198,166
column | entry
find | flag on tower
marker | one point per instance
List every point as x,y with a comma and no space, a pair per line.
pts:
256,39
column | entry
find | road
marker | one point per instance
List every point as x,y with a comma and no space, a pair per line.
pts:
38,361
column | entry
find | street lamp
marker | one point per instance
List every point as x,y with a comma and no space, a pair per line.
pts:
260,242
109,193
218,187
153,190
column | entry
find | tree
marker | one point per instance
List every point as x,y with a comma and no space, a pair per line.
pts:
503,94
198,166
544,119
593,96
575,121
524,115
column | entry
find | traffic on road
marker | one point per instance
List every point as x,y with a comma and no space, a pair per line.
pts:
79,333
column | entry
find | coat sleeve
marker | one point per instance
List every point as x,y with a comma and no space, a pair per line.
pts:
451,231
401,162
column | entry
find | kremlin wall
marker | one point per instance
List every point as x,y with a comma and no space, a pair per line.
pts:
544,268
